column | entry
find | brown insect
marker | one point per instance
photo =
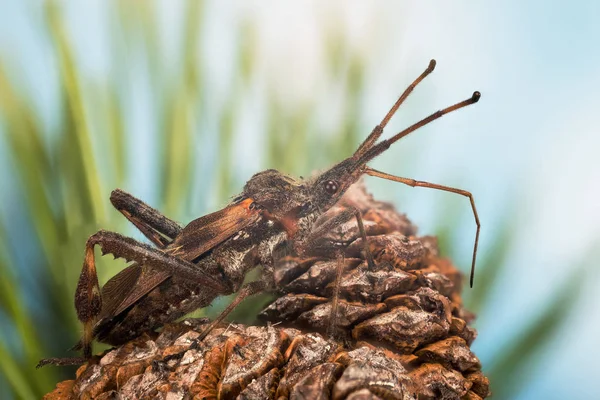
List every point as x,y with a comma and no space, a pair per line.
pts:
189,267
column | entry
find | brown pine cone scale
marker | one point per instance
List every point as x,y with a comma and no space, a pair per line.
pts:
247,362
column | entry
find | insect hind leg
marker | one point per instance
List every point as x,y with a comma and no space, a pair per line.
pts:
61,361
159,229
88,300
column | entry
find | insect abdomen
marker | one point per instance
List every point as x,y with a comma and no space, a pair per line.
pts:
169,301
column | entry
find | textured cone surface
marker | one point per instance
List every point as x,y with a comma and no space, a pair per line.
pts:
401,331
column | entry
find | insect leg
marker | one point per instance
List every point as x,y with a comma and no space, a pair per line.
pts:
363,235
247,290
414,183
88,301
322,229
332,223
327,226
336,295
61,361
155,226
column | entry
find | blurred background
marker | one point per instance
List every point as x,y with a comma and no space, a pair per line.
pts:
181,102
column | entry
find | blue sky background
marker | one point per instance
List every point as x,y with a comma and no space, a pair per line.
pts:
528,150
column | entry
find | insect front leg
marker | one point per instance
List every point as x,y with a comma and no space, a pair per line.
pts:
159,229
414,183
336,295
317,234
88,302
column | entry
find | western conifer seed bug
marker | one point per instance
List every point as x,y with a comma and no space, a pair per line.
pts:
188,267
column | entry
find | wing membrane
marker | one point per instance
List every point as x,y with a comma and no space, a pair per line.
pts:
198,237
206,232
127,287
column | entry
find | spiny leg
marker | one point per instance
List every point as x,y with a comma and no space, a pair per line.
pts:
154,225
414,183
132,250
88,302
61,362
159,229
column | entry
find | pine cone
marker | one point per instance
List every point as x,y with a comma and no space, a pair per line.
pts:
401,331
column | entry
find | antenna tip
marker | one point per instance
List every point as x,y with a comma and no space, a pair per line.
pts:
431,66
476,97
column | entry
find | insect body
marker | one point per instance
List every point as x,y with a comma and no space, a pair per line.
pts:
189,267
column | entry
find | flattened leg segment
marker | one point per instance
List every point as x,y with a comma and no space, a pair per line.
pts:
131,250
88,301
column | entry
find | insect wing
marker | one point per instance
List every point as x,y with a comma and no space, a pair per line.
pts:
128,286
199,236
206,232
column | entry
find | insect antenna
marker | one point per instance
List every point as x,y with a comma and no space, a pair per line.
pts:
385,144
382,146
378,130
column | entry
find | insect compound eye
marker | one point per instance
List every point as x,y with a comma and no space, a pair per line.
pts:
331,187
